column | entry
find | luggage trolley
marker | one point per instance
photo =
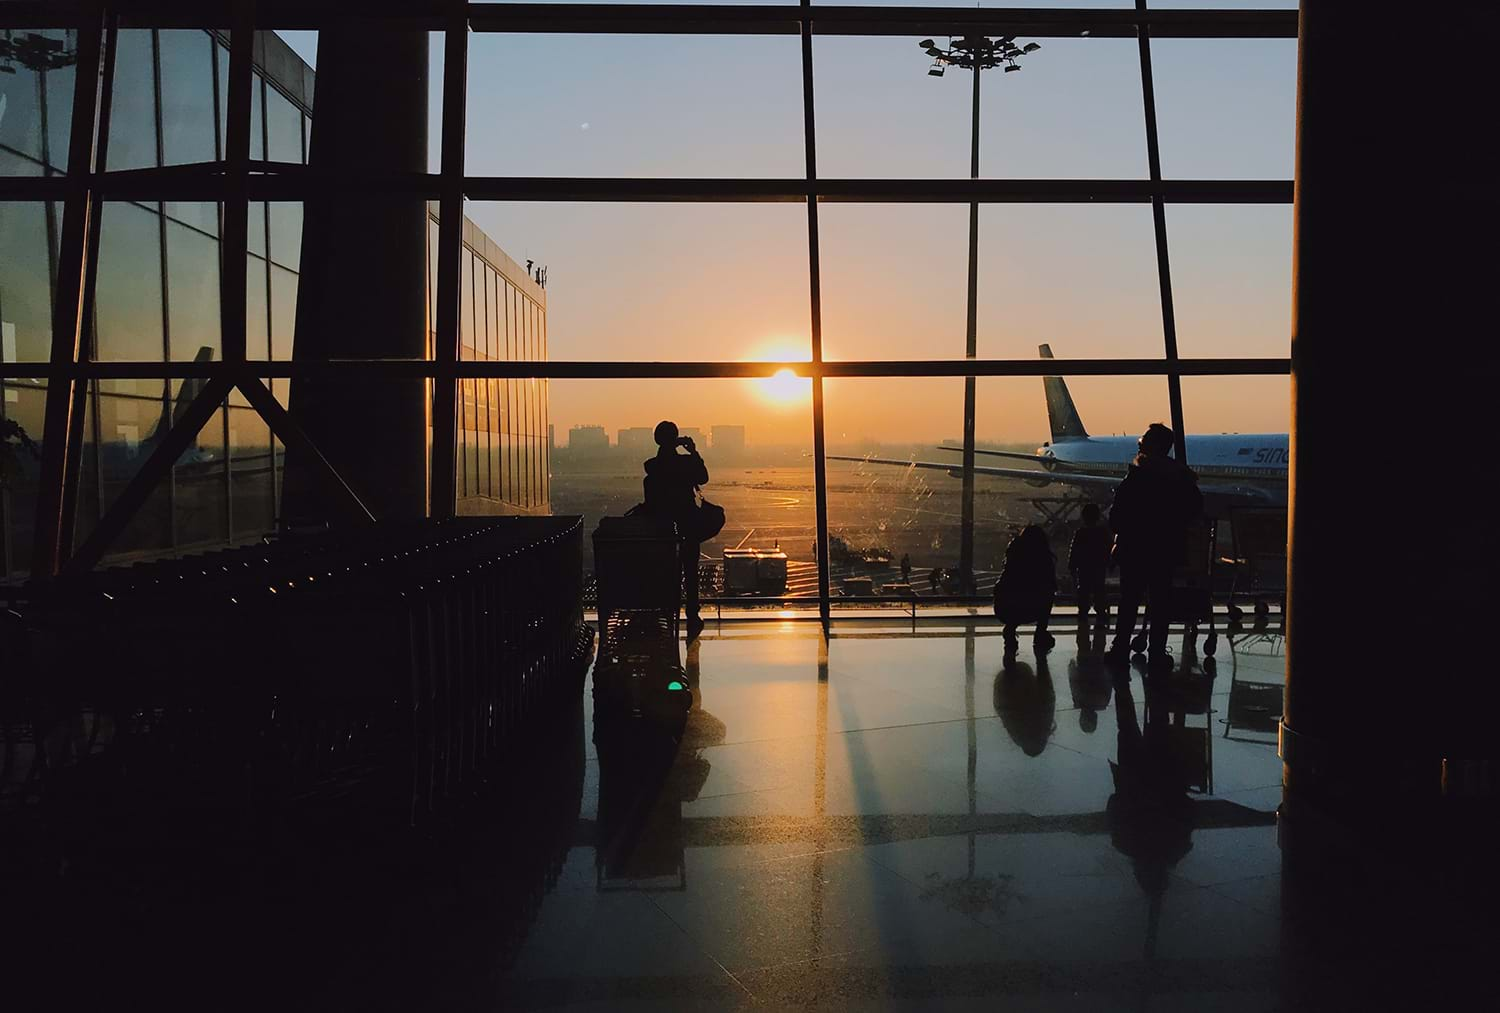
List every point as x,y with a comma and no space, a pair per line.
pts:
1191,601
639,575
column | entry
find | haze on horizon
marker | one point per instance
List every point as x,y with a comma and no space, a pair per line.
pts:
664,282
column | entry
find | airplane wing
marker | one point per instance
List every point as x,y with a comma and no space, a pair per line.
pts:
1012,454
1025,474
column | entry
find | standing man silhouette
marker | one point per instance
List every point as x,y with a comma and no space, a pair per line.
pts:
672,481
1153,509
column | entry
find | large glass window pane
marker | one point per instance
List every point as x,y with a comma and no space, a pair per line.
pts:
257,118
466,305
192,294
128,292
132,111
36,92
199,488
283,128
901,494
250,473
1079,277
604,435
1074,110
1231,278
256,243
132,417
659,281
57,89
25,283
187,96
642,107
23,401
1226,108
257,310
200,215
286,233
283,312
1238,445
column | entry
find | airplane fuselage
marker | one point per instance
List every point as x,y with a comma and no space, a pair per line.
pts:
1227,462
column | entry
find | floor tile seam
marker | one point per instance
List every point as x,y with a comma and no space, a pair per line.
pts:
702,949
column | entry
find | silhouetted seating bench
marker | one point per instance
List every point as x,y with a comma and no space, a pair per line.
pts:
403,655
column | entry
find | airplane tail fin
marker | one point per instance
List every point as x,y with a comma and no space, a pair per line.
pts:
186,394
1062,414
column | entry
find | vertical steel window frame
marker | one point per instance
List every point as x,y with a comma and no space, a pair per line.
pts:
442,487
1159,226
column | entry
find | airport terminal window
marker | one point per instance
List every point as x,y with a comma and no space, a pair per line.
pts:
722,283
1231,278
634,116
1074,111
127,299
283,312
192,293
257,226
252,497
257,309
38,100
132,111
257,117
286,233
187,96
1226,108
284,128
200,513
25,283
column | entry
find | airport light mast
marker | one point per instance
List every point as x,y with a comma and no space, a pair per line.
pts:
976,53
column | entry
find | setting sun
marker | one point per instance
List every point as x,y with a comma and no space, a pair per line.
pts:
785,387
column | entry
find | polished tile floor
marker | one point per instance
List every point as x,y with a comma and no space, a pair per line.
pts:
891,818
897,817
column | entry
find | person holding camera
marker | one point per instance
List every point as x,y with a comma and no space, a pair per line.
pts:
672,481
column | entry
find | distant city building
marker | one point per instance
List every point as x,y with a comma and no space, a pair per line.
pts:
551,436
636,440
588,440
728,441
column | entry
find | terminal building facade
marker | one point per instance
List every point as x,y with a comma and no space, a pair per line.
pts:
156,298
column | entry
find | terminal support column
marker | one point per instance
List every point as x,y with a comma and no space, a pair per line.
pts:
1391,689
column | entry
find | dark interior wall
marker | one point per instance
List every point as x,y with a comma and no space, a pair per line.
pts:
1393,535
363,288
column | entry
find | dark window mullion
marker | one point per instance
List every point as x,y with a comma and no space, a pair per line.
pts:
1159,223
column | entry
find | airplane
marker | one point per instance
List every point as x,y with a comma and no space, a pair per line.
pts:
1234,470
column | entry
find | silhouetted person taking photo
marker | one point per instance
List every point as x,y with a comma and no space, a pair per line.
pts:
672,481
1153,508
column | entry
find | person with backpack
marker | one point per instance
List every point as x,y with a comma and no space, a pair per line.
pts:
1027,584
1154,507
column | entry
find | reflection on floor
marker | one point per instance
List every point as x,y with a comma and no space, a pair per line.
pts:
886,819
889,815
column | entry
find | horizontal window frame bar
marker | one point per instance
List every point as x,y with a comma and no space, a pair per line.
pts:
365,369
685,19
173,185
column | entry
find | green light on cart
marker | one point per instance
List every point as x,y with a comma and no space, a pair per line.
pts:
675,685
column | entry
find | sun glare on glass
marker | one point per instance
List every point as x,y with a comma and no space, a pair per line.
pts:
783,387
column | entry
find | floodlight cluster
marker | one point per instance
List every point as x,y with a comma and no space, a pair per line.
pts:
976,52
33,51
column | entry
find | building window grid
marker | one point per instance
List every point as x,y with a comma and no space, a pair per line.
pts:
1170,366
